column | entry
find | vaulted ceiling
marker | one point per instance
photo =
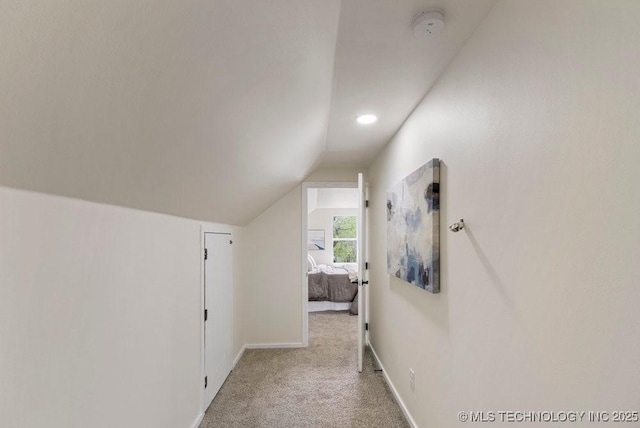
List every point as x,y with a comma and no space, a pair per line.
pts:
207,109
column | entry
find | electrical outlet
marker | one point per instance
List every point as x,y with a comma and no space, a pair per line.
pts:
412,380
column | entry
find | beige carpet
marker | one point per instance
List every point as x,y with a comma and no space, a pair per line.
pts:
314,387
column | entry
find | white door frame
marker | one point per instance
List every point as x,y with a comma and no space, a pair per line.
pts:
306,185
362,272
208,228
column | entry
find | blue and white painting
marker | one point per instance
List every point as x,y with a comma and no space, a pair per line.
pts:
413,228
316,240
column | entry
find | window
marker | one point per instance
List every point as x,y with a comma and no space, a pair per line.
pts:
345,242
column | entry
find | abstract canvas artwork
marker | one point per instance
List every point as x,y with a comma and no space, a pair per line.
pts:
413,228
316,240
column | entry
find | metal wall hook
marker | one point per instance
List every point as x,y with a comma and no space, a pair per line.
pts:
457,226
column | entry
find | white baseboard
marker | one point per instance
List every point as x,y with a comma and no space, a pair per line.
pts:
264,346
198,420
274,345
403,407
240,354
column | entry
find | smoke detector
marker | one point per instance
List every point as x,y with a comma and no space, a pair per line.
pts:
428,23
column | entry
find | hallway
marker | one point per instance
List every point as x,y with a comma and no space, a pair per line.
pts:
317,386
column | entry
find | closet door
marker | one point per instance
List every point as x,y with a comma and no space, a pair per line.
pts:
218,298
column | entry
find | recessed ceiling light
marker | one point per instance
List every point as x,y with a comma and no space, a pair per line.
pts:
367,119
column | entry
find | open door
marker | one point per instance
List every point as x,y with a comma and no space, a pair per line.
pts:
362,282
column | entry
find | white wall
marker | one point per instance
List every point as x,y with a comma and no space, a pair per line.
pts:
335,174
273,290
273,303
240,267
100,315
536,124
336,197
312,199
322,218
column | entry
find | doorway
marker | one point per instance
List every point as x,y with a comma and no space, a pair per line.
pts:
334,275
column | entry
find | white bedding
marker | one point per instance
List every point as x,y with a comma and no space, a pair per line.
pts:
328,306
350,269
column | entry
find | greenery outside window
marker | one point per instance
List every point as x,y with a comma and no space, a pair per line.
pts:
345,239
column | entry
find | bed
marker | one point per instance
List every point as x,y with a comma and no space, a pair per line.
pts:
333,288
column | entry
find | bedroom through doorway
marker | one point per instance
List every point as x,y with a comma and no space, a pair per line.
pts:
333,249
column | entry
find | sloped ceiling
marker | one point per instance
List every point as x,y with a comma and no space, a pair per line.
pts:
206,109
381,68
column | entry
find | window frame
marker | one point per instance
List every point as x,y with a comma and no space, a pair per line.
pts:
334,239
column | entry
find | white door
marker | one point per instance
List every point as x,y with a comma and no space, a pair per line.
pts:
362,279
218,299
